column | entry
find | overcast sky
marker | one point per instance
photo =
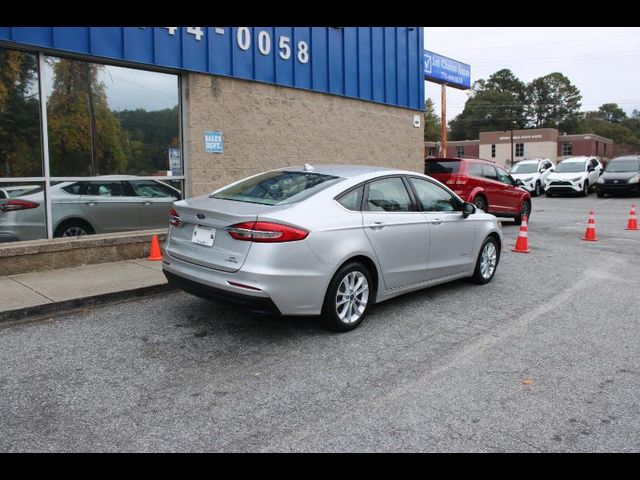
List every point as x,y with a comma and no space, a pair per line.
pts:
604,63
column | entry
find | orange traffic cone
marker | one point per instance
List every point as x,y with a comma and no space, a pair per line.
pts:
522,243
633,221
155,253
590,233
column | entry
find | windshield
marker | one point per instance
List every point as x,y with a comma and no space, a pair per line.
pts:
629,165
443,166
277,188
525,168
566,167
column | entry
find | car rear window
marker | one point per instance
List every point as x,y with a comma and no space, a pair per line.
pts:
443,166
276,188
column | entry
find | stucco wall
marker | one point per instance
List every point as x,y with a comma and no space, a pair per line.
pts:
268,126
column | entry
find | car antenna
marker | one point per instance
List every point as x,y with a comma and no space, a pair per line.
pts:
308,167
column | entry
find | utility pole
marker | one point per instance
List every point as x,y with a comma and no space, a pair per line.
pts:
511,147
443,118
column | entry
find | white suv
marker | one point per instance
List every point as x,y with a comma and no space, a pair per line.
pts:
531,174
574,175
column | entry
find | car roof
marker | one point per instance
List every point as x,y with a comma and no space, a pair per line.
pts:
576,159
345,171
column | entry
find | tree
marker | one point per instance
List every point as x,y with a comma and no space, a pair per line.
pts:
497,103
85,137
612,113
552,101
432,124
20,154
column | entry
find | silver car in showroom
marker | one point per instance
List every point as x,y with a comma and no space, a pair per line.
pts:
328,240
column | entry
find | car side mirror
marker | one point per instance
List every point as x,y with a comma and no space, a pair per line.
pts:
552,169
519,182
468,209
590,169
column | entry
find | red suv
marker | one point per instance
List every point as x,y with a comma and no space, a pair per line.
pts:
483,183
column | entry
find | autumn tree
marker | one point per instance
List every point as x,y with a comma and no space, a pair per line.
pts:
20,154
85,137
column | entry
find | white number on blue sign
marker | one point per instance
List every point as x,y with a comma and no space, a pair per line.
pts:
243,38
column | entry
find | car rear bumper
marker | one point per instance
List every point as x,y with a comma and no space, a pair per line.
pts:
248,302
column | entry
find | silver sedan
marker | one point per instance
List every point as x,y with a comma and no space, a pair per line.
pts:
327,240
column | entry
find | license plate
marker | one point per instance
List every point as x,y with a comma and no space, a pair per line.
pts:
203,235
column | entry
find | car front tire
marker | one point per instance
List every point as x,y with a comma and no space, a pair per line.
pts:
538,190
348,298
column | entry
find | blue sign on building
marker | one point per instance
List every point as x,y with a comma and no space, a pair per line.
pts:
441,69
213,142
378,64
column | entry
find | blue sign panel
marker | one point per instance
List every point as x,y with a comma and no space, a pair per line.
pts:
441,69
369,63
213,142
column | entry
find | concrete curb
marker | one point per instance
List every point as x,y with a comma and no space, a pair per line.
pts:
38,311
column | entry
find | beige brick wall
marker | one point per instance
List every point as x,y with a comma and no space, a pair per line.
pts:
268,126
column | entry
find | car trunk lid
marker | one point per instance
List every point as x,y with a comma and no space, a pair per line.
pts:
212,215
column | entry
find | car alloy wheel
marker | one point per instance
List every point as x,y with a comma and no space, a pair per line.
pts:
74,231
488,260
352,297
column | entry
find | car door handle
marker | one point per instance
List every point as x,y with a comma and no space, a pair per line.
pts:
147,203
91,204
436,221
376,225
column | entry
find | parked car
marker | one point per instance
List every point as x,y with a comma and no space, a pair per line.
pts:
15,190
532,173
329,241
622,175
574,175
489,187
104,204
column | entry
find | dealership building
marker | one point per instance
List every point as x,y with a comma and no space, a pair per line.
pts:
502,147
196,108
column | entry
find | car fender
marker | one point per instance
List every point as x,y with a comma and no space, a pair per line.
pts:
371,256
476,191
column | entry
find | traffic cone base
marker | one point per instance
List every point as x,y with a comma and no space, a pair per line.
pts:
155,253
633,221
590,232
523,238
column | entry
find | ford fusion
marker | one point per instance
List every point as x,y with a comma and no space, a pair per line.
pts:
328,240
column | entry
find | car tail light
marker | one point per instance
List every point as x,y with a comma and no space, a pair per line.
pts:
174,218
266,232
13,205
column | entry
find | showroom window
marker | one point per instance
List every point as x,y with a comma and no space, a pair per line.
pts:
567,149
519,149
100,120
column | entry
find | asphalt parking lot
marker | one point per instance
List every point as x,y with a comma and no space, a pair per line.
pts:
544,358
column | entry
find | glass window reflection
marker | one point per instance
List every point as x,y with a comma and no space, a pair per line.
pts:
20,151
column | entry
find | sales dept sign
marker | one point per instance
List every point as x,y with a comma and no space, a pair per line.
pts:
213,142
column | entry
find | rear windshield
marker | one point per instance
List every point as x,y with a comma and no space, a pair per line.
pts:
443,166
626,165
525,168
277,188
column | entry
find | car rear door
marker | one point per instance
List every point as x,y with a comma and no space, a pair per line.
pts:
451,237
111,206
491,187
397,231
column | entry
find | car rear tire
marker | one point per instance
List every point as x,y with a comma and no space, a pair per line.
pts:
480,203
525,209
348,298
487,262
73,228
